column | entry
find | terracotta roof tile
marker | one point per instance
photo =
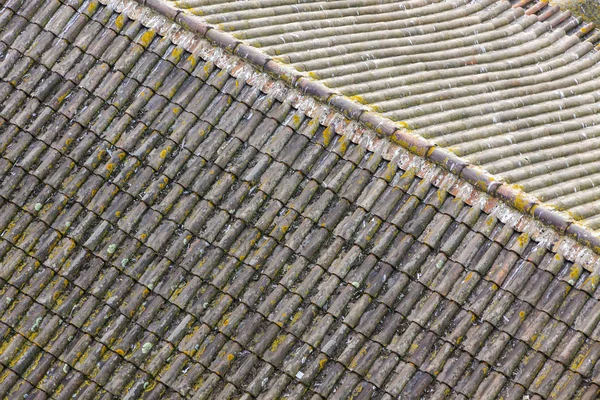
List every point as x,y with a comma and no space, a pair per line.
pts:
180,232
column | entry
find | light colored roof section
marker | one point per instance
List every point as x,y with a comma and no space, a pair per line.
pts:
511,87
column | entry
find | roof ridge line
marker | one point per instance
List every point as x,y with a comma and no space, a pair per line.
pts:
472,173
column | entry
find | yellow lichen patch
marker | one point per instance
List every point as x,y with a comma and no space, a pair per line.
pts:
296,317
377,108
120,352
177,291
92,7
120,21
441,195
192,60
390,171
592,280
327,135
522,315
147,38
523,239
521,202
539,341
148,386
578,361
404,125
230,357
574,273
541,377
344,142
534,337
177,52
397,139
284,228
110,167
277,342
322,363
4,346
62,97
468,277
358,99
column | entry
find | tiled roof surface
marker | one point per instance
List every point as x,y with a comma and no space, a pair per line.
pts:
511,86
175,224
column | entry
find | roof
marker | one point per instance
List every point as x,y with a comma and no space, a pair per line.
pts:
509,86
176,224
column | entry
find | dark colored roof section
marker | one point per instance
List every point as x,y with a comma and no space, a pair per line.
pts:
507,86
176,225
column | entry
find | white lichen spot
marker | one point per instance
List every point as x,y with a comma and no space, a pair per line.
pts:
124,262
36,324
146,384
111,249
68,224
205,305
66,368
38,206
299,374
146,348
8,300
356,284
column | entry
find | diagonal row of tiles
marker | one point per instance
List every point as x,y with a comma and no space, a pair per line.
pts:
103,248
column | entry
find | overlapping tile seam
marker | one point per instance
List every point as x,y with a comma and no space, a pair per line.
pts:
429,172
393,131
